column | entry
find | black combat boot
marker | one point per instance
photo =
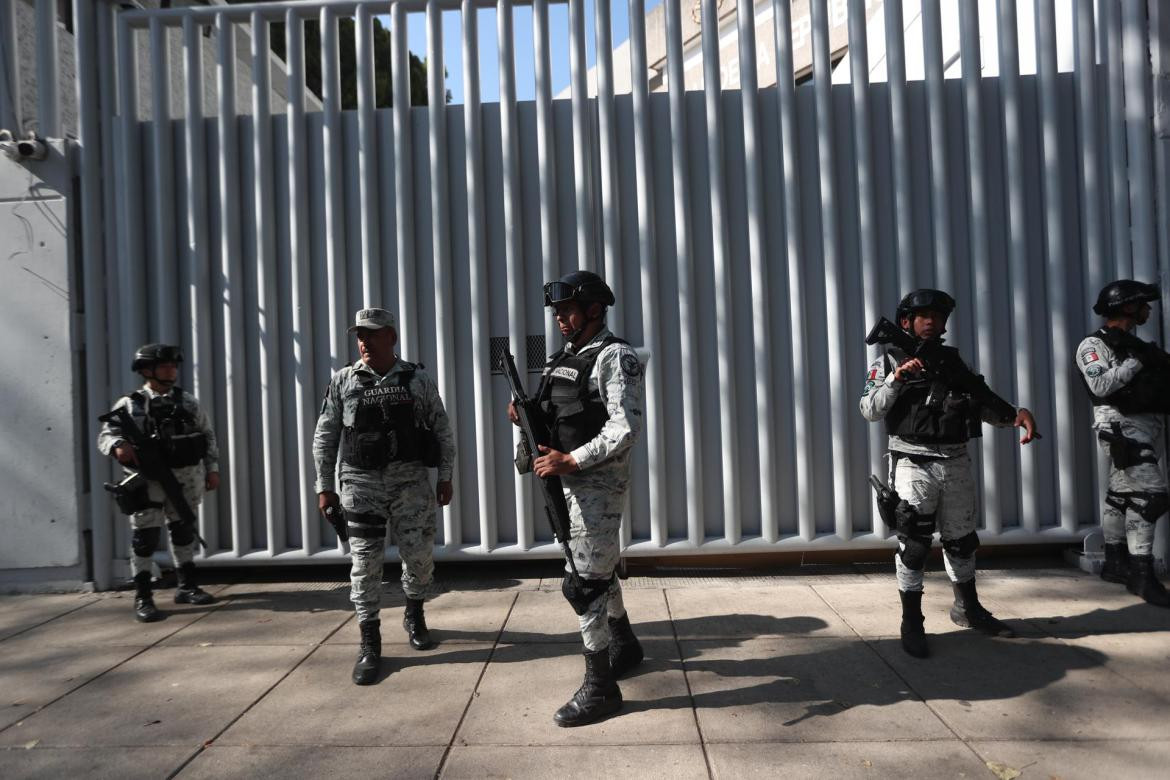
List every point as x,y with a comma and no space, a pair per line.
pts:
416,625
597,697
969,613
187,591
1144,582
144,609
365,671
1116,568
625,651
913,633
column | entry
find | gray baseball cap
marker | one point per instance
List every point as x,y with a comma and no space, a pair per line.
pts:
373,319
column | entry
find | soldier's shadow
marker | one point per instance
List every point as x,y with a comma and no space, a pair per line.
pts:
1136,618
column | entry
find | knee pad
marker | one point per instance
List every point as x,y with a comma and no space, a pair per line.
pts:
580,594
963,547
144,541
182,534
914,551
1155,506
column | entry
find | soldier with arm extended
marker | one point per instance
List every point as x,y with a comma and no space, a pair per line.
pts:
590,398
929,417
1129,406
173,419
382,425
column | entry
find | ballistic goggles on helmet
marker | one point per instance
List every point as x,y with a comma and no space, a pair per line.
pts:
559,292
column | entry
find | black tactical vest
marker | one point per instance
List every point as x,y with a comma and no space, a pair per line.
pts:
176,429
574,413
385,428
1149,390
929,412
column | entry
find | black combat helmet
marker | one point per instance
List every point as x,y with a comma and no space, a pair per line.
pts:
580,286
1117,294
923,300
148,355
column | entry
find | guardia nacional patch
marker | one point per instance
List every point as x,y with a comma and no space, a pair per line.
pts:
1094,371
631,365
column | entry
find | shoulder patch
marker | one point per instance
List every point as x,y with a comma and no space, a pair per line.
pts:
630,364
1090,356
1095,371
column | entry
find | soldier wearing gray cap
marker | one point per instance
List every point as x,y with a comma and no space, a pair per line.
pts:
382,425
1128,380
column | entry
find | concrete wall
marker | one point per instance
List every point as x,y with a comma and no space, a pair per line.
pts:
40,464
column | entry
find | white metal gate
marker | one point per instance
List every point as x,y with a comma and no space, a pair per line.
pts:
751,236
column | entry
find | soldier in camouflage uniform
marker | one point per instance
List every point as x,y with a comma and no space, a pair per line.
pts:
1127,383
590,396
382,425
172,416
929,419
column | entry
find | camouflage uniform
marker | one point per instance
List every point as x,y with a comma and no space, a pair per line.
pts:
1131,489
191,478
934,478
398,496
596,494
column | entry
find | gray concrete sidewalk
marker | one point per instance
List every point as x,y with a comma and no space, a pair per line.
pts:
794,676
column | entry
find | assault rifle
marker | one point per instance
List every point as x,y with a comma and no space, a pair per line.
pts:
1149,390
556,508
152,465
943,364
887,501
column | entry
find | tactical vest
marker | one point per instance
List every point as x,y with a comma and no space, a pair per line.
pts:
929,412
1149,390
385,428
574,413
173,427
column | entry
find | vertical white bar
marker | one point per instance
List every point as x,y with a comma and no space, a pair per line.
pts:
607,148
132,293
1136,56
1118,182
513,245
368,159
485,415
96,335
334,141
724,298
867,208
164,310
1092,187
834,274
582,141
900,141
1022,299
684,258
932,55
195,274
648,266
546,157
233,302
48,100
981,276
801,392
10,79
1060,333
757,257
299,250
108,53
268,349
441,240
403,184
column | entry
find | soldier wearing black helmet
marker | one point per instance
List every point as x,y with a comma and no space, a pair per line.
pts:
929,418
173,416
1129,384
591,398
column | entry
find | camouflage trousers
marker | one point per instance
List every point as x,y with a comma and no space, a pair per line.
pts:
192,480
595,512
947,488
1136,495
399,504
